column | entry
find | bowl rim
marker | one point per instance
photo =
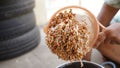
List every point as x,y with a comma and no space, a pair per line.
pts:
91,17
80,62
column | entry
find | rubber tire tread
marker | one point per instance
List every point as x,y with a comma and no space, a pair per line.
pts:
17,26
19,45
19,7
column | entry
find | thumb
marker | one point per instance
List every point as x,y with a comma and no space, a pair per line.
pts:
100,39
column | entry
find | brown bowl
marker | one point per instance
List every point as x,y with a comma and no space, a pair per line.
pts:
94,23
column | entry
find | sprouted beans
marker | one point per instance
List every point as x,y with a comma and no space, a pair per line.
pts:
67,37
81,64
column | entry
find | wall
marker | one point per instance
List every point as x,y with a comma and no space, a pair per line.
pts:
40,12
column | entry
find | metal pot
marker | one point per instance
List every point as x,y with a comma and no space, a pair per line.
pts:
87,64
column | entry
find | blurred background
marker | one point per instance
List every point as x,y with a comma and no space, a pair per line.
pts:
45,8
41,56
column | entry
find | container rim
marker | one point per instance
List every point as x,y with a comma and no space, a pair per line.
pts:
79,62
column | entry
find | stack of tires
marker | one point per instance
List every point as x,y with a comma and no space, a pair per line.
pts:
18,31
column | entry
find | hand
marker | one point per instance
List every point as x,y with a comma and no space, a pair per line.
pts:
110,35
110,51
108,42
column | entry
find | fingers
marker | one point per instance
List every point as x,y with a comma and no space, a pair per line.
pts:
116,40
116,37
112,36
101,38
108,36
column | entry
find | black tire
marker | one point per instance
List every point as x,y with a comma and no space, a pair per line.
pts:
14,27
13,8
15,47
11,2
